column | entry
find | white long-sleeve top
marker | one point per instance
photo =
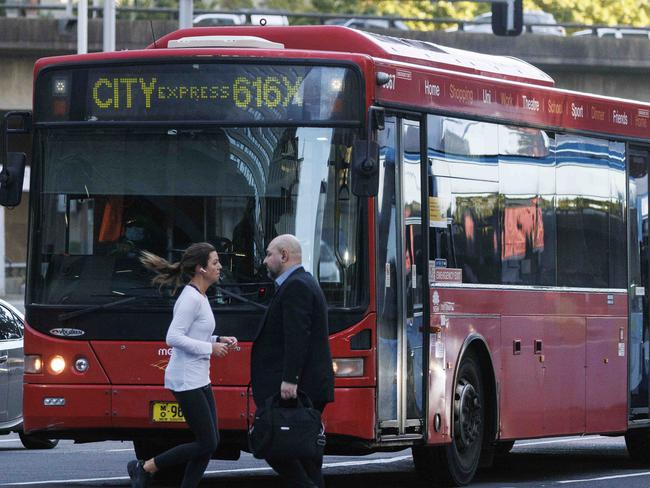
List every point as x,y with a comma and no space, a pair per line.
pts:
190,336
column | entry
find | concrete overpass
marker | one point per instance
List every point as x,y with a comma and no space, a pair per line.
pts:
614,67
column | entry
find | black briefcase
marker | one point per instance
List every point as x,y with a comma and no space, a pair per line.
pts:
287,432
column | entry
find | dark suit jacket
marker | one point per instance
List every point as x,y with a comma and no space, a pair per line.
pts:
292,343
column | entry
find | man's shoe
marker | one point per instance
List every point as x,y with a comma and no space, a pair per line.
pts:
139,477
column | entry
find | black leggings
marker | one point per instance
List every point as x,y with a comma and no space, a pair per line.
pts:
201,416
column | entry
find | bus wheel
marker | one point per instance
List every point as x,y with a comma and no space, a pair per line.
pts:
146,449
503,448
455,464
637,442
36,442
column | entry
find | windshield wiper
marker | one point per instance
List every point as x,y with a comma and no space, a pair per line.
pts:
77,313
132,298
236,296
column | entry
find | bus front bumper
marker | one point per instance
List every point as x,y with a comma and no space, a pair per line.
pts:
79,407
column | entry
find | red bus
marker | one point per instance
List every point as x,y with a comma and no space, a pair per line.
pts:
481,238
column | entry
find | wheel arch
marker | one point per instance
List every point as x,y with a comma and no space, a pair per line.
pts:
477,344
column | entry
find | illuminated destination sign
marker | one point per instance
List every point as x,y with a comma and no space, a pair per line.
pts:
200,92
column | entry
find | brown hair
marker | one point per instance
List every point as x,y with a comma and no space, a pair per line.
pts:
180,272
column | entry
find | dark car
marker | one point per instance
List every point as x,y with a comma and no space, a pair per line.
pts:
11,378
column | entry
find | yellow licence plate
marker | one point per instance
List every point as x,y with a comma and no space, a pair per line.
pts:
167,412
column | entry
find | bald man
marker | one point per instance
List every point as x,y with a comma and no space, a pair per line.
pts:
291,350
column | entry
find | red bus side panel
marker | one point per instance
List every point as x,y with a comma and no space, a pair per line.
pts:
521,379
562,361
606,375
560,358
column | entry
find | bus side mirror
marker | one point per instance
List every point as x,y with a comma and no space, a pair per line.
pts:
13,169
11,179
365,168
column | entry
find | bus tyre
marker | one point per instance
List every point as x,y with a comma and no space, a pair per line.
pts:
455,464
36,442
503,448
146,449
637,442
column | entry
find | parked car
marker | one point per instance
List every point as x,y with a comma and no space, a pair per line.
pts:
535,22
369,23
251,18
615,32
11,378
211,20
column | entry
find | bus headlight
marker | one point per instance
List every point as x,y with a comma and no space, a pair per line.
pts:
347,367
33,364
81,365
57,365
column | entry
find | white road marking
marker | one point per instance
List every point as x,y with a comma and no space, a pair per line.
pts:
603,478
10,440
219,471
560,441
368,461
78,480
386,460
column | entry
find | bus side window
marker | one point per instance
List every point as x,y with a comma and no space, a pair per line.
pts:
464,197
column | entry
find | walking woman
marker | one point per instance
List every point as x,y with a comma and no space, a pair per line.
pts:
188,373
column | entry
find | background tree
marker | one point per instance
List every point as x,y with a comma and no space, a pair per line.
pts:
609,12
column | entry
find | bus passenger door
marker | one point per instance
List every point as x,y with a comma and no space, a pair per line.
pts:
399,281
639,292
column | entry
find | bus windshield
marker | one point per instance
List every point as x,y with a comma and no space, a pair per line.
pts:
109,193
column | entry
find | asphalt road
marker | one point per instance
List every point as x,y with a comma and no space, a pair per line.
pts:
578,462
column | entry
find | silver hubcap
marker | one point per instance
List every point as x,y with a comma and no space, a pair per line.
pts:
467,422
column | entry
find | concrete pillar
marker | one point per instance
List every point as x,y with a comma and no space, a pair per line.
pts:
82,27
185,13
109,26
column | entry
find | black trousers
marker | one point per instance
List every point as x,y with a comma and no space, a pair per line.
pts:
301,472
201,415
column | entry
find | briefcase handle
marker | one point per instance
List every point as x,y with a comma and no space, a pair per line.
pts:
274,400
302,400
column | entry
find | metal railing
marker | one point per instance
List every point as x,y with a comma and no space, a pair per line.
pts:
17,9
